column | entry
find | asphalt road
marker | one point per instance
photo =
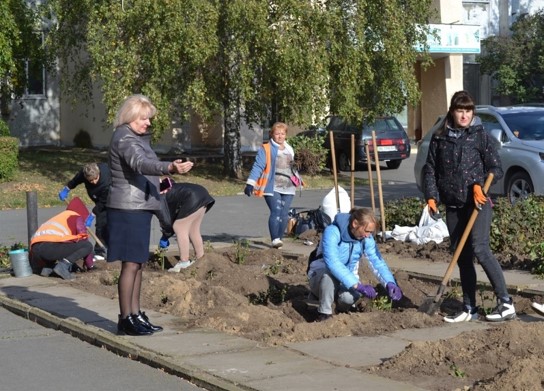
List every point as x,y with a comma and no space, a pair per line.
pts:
236,217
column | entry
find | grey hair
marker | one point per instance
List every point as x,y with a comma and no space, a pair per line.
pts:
91,170
134,107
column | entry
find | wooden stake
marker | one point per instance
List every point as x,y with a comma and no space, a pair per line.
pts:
333,155
378,175
352,171
369,170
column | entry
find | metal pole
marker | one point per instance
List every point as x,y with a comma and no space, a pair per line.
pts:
31,214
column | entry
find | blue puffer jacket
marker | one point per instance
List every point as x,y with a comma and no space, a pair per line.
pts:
340,254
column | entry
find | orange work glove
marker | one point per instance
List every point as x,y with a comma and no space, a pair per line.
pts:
431,203
479,197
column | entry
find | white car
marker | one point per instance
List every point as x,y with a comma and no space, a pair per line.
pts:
520,132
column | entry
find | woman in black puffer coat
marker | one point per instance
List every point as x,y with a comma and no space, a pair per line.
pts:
461,155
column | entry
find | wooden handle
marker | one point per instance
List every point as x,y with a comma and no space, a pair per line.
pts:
352,171
466,232
333,157
369,171
378,175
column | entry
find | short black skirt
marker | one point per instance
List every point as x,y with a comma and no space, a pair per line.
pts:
130,232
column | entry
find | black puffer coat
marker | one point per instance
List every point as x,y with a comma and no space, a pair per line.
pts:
454,165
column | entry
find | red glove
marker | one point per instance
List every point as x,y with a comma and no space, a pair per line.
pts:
479,197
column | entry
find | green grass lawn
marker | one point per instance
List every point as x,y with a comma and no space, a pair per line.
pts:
47,170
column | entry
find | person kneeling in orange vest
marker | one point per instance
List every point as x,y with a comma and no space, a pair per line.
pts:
59,242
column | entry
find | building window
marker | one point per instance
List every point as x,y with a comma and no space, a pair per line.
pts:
35,76
35,73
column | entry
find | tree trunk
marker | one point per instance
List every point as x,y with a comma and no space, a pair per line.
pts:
232,152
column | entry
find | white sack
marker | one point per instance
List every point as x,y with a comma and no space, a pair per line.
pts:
428,230
329,202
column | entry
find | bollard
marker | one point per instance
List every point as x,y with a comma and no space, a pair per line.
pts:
31,214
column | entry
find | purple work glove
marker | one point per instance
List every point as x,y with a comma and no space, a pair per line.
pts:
393,290
367,290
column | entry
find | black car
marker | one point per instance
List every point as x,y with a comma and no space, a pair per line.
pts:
392,141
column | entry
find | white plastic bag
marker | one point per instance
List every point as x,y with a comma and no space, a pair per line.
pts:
428,230
329,202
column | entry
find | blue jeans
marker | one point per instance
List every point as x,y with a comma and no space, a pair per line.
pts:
477,245
279,205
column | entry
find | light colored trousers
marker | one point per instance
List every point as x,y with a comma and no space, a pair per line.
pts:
326,287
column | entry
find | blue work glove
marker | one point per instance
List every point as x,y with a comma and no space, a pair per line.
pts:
64,193
89,220
164,242
367,290
248,190
393,290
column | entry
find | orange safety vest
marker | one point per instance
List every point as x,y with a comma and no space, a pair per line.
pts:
59,228
260,184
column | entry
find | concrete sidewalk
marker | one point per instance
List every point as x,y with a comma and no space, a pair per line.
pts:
219,361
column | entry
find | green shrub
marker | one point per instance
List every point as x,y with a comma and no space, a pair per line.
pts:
404,212
518,229
310,154
4,129
9,158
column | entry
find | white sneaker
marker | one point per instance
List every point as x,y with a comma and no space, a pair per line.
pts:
277,243
539,308
181,265
503,311
464,316
98,257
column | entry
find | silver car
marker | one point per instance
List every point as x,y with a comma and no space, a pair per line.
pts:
520,132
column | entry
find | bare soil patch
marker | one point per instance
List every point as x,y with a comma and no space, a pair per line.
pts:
262,296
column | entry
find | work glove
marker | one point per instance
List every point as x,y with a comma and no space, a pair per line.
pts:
89,220
64,193
431,203
480,198
164,242
433,209
248,190
367,290
393,290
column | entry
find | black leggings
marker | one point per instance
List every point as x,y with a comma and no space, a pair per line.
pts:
477,245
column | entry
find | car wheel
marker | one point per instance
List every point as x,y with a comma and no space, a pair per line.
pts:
393,164
519,187
343,162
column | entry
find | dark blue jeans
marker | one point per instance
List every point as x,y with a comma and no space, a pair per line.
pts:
477,245
279,205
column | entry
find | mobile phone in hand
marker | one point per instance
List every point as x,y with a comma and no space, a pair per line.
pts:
166,184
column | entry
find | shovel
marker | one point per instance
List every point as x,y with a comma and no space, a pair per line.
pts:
432,304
